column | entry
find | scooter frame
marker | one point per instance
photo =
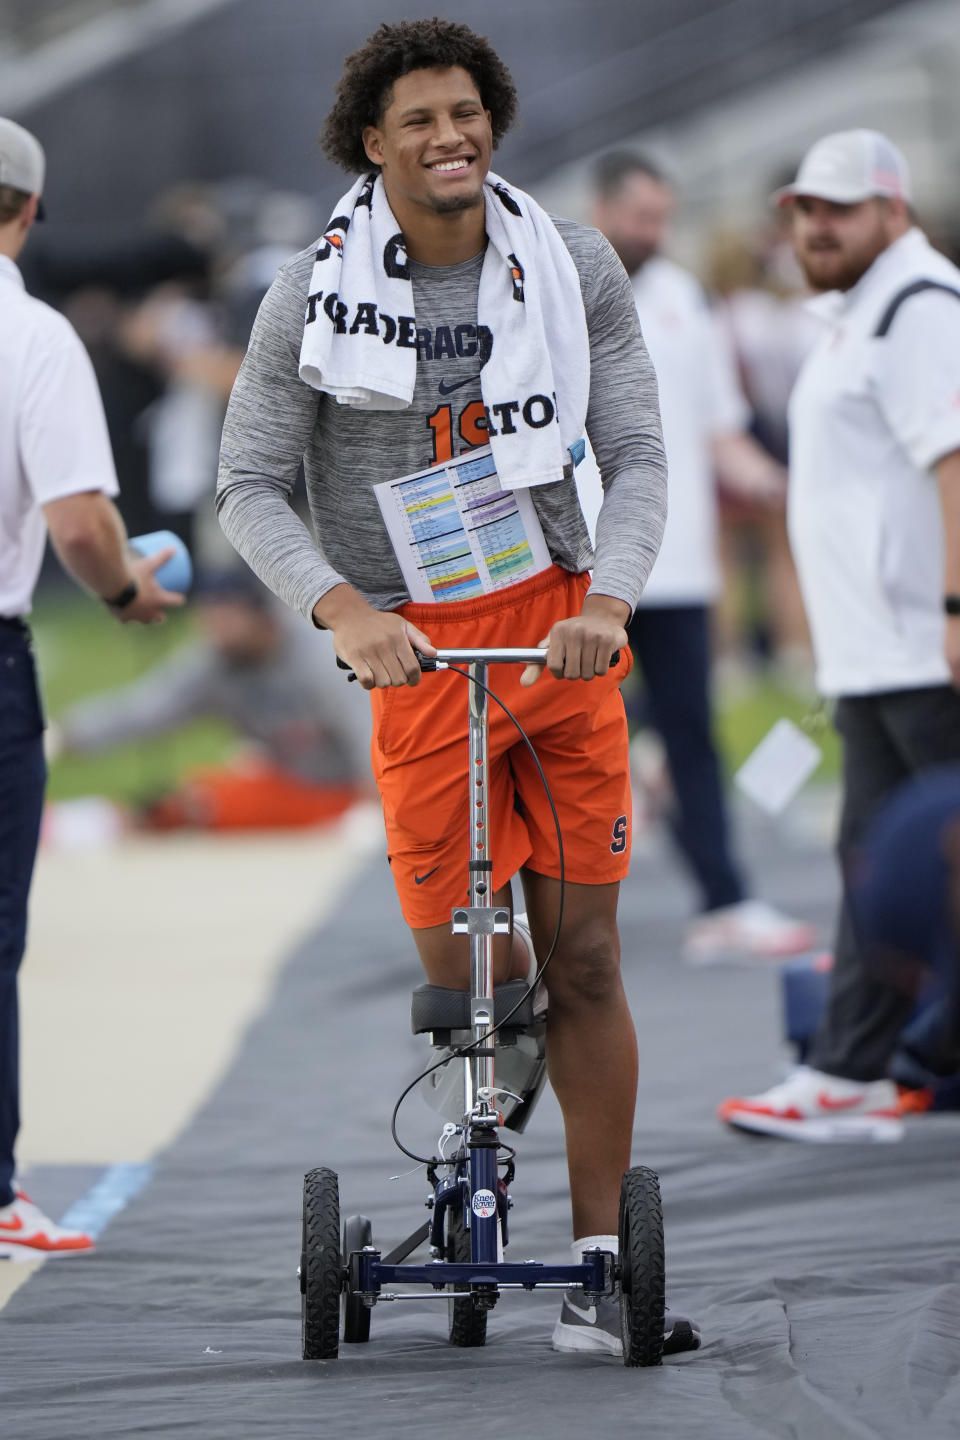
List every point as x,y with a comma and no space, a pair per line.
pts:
472,1179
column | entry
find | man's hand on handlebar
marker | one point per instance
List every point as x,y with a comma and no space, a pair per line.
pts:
377,645
581,648
379,649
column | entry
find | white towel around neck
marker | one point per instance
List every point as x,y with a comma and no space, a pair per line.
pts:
359,338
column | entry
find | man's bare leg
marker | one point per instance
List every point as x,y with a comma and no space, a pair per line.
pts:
591,1042
446,957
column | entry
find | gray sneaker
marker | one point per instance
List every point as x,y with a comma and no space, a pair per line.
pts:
595,1327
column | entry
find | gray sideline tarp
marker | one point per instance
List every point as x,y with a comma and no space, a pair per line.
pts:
827,1279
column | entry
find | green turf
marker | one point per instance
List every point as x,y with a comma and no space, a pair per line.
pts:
741,724
82,651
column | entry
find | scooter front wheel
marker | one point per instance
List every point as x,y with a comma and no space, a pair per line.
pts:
321,1271
468,1324
641,1267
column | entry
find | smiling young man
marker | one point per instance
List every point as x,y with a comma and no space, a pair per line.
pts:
874,521
443,312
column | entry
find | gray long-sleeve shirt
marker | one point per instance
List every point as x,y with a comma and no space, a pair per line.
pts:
274,421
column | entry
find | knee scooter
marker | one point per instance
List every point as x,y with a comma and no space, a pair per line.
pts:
343,1275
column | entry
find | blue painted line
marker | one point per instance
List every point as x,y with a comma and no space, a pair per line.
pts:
114,1190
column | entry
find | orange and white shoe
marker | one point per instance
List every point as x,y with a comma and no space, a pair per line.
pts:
749,930
25,1230
819,1108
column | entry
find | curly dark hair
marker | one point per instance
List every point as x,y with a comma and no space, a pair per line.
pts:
394,50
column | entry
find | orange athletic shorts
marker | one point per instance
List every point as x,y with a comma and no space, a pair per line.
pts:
579,731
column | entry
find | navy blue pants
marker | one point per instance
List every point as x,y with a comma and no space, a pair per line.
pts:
887,739
22,778
671,644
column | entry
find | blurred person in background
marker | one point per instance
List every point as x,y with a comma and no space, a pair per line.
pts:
177,336
704,432
191,332
56,477
274,679
874,519
906,907
155,307
758,294
127,387
175,329
282,222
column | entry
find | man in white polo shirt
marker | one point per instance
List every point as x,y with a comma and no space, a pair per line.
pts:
704,419
56,474
874,518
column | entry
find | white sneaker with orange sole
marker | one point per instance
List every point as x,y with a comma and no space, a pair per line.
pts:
25,1230
749,930
822,1109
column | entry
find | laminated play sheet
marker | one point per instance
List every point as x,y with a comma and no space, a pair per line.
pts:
457,533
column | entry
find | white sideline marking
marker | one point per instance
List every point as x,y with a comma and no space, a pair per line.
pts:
112,1193
92,1213
111,974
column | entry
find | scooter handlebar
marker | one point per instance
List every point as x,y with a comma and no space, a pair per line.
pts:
502,656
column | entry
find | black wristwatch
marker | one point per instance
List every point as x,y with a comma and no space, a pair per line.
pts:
951,604
126,597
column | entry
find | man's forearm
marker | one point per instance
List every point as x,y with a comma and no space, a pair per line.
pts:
743,465
948,479
88,535
259,523
629,530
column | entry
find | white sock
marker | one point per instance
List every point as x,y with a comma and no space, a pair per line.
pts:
600,1242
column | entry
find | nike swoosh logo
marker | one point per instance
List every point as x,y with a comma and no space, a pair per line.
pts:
588,1316
15,1224
419,879
446,389
826,1102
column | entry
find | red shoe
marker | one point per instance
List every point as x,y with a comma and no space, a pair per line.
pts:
24,1229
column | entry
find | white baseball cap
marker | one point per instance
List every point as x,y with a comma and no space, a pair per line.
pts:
23,165
850,166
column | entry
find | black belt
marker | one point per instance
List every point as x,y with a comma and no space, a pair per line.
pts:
14,622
